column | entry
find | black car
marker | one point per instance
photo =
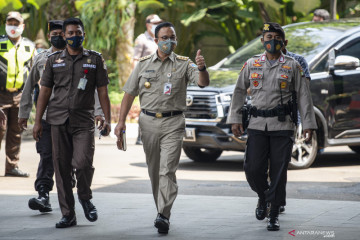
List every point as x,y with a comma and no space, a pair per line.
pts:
332,50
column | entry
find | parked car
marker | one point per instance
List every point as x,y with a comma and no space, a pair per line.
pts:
332,50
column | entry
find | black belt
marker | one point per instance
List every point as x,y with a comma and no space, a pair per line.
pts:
268,113
161,115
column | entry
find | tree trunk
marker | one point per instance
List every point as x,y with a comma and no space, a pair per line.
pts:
124,50
264,13
333,9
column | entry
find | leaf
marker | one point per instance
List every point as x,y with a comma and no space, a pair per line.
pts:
37,3
271,3
79,4
305,6
196,16
8,5
221,5
246,14
149,4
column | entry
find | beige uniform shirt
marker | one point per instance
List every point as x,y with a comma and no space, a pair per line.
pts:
176,71
266,81
144,45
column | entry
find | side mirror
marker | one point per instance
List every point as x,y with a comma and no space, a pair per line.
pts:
344,62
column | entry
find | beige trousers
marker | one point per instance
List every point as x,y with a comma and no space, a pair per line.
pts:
162,141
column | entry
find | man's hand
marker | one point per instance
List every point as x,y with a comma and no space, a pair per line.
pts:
119,129
22,123
105,125
2,117
237,129
99,121
37,131
200,61
307,135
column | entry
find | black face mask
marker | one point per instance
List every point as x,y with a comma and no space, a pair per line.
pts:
58,42
273,46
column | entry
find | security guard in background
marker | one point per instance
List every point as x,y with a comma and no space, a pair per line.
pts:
44,177
73,75
272,78
16,54
160,80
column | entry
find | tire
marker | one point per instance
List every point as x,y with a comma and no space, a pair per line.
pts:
202,154
355,149
303,154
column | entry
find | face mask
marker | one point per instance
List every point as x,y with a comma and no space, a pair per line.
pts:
153,29
167,46
58,42
75,42
14,31
39,50
273,46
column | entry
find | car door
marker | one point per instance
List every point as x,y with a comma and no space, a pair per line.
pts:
345,101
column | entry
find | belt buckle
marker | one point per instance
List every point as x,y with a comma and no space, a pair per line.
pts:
158,115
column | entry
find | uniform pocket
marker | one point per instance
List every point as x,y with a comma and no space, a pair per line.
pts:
256,80
148,82
284,82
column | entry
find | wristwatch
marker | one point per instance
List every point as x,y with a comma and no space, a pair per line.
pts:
202,70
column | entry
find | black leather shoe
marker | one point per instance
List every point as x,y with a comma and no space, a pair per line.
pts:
89,210
66,221
16,172
282,209
261,210
273,220
42,203
162,224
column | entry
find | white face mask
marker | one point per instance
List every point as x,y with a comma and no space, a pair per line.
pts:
153,29
14,31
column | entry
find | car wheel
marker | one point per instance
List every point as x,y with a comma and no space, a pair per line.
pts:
202,154
355,149
303,154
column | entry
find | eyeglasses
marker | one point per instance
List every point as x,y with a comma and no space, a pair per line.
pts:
166,38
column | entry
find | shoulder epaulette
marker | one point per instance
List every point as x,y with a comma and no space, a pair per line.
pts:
257,55
144,58
54,53
94,52
28,41
182,57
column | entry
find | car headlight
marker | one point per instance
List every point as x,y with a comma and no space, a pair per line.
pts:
224,97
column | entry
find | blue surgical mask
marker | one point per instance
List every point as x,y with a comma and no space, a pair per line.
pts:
75,42
167,46
273,46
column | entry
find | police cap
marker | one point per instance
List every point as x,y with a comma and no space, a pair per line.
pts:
273,27
55,24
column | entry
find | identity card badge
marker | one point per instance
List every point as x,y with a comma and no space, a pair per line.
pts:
167,88
82,83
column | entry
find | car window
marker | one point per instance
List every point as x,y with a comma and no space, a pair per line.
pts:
351,49
322,66
305,39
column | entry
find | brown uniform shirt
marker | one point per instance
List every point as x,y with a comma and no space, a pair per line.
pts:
175,70
267,82
144,45
63,74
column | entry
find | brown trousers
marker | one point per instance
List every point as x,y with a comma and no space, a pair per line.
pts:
9,102
73,148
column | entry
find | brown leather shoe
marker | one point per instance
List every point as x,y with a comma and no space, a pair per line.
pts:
16,172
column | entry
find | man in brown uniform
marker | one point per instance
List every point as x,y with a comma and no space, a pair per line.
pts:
73,74
272,77
160,80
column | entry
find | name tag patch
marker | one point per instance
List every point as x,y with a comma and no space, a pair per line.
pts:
85,65
58,65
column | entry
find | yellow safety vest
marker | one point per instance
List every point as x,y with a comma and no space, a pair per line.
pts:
15,63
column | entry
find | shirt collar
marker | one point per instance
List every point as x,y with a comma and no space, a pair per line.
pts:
281,59
155,56
148,36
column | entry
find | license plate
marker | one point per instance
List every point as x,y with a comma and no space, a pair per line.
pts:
190,135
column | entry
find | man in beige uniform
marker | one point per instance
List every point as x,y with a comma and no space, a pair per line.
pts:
144,46
161,80
272,77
